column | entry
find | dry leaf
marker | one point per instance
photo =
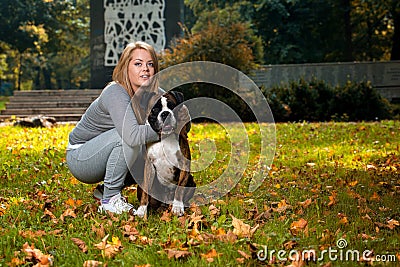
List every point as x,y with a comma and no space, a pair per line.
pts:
110,249
93,263
99,230
375,197
332,199
298,226
282,206
177,254
242,229
214,211
68,212
36,256
244,254
306,203
209,256
166,216
80,243
392,224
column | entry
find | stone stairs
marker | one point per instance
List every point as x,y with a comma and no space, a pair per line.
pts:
63,105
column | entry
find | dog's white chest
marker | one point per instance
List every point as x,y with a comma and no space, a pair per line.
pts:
163,155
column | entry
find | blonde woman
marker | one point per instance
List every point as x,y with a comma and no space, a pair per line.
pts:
109,138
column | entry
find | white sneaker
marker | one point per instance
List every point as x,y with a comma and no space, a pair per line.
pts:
117,204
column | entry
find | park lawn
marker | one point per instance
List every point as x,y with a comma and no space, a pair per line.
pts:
332,187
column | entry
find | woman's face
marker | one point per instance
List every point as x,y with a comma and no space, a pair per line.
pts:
140,68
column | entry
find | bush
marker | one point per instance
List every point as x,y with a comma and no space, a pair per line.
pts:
300,101
317,101
360,101
228,45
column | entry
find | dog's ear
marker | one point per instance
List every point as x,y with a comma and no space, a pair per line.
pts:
178,96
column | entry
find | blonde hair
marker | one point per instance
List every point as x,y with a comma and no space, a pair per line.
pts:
120,74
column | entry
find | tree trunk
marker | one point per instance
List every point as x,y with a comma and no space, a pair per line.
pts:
395,55
19,72
47,78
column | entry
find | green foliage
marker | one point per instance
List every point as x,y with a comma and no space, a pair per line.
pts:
317,101
50,40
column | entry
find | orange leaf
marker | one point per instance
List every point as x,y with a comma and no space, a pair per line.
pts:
306,203
80,243
375,197
68,212
298,226
110,249
242,229
166,216
332,199
209,256
177,254
392,224
35,255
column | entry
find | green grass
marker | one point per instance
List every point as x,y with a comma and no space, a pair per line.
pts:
3,101
328,181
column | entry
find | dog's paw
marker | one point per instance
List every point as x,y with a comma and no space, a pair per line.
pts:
178,208
141,211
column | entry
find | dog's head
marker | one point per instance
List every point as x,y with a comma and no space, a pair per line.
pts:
163,117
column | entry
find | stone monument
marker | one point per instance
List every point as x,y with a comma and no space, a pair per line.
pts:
115,23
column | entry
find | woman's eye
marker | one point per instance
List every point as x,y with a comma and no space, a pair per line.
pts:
150,65
138,64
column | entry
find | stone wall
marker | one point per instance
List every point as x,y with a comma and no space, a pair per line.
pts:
384,76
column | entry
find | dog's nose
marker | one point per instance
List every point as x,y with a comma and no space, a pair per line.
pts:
164,115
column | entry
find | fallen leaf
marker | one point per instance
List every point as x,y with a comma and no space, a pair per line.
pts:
332,199
282,206
166,216
242,229
306,203
354,183
209,256
244,254
110,249
392,224
99,230
93,263
68,213
298,226
375,197
177,254
80,243
214,211
36,256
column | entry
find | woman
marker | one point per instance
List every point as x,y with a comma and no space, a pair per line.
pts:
110,136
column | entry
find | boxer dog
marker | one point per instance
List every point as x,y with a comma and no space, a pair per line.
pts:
166,173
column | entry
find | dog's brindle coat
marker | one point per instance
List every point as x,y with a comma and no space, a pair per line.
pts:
171,184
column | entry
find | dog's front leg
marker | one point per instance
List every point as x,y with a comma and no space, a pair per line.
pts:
178,207
149,174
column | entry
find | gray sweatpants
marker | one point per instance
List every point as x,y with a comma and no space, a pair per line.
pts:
103,158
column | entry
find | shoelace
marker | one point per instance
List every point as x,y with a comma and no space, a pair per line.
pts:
122,205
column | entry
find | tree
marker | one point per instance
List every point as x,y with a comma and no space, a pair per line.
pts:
51,37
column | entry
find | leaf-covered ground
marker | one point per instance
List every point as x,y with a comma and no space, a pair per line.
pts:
332,197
